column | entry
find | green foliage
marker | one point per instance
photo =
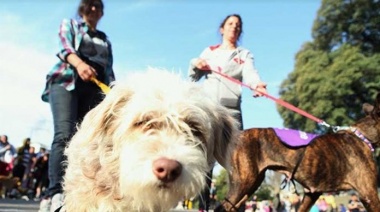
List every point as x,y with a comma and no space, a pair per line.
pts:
221,185
264,192
355,22
339,70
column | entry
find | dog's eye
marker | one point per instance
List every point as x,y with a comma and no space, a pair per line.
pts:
196,132
145,125
139,123
195,129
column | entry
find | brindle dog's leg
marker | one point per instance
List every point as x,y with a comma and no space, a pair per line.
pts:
363,179
245,176
308,201
368,195
371,203
238,190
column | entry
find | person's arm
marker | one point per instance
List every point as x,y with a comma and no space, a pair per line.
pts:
5,148
33,162
251,76
66,41
13,151
66,36
198,66
68,53
85,71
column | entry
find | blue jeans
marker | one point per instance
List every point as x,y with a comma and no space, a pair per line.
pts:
68,109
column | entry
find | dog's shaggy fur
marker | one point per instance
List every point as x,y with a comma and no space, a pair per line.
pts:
147,145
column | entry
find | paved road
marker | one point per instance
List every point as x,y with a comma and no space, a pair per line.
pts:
10,205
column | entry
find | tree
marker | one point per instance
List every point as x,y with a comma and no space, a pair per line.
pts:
337,71
355,22
264,192
222,185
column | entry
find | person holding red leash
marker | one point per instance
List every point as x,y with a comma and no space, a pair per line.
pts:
231,60
234,60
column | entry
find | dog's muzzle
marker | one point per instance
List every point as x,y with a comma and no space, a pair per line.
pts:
166,170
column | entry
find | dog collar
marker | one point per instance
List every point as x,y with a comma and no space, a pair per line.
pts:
360,135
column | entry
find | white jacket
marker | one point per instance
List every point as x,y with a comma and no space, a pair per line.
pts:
238,63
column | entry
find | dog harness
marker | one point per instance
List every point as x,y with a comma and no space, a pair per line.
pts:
289,180
294,138
357,132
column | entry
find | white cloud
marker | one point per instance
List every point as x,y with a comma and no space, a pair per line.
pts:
22,77
12,28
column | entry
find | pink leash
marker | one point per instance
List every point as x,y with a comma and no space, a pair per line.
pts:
279,101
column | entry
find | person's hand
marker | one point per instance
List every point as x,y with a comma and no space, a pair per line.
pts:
85,71
202,64
260,90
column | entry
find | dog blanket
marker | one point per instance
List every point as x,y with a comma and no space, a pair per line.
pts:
294,138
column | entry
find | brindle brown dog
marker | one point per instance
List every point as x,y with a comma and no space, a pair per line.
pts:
332,162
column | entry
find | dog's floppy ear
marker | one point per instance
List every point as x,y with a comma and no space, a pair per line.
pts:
95,133
376,107
228,133
373,110
99,119
367,108
91,155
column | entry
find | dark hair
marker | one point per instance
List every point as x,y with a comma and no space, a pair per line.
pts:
26,142
240,20
6,137
84,7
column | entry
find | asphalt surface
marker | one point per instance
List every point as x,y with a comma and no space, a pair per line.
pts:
19,205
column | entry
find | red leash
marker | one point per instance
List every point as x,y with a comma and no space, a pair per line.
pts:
279,101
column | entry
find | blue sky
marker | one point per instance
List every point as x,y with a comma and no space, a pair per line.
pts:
157,33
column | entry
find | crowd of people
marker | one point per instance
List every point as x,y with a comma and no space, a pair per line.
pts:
291,203
287,202
26,168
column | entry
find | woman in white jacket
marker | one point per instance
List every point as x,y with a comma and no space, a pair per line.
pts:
233,61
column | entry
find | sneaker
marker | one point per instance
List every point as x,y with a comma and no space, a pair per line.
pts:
24,197
45,205
56,202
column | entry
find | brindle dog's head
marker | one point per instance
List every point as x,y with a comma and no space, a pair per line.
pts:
370,124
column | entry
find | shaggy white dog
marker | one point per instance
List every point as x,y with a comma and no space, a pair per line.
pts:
148,145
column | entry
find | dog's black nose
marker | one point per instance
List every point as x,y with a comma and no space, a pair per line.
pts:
167,170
